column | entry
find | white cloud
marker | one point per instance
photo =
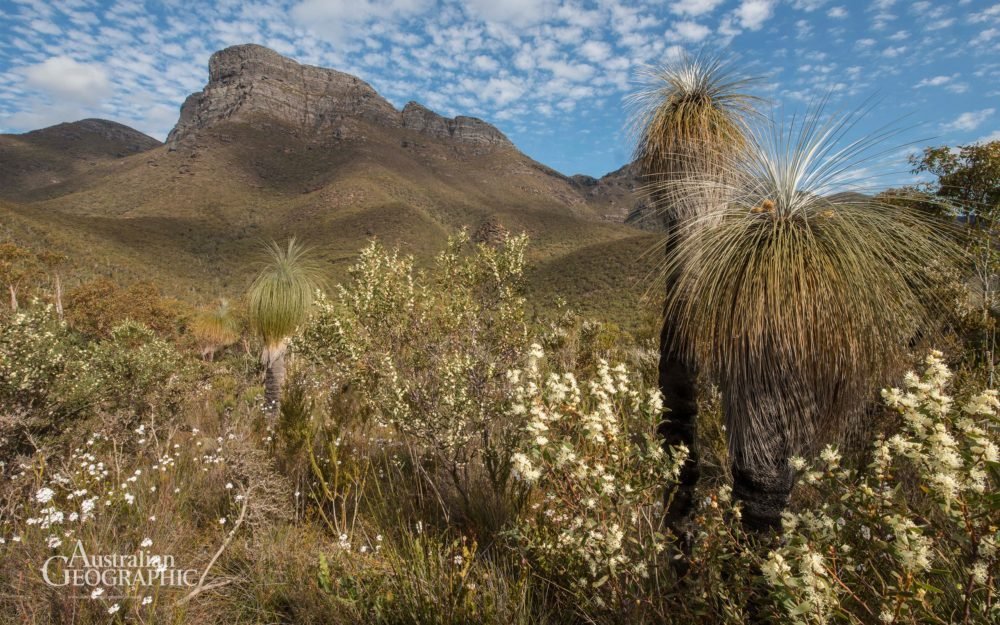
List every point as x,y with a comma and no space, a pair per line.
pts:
837,13
694,8
337,19
753,13
936,81
808,5
992,13
515,12
688,31
970,120
985,37
66,78
485,63
595,51
940,24
993,136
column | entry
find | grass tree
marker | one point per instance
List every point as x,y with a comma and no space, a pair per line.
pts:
278,302
691,116
797,295
215,329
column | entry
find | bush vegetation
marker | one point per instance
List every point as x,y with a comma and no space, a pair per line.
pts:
441,457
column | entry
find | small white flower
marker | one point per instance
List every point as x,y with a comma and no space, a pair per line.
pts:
114,608
222,521
44,495
97,592
147,600
146,542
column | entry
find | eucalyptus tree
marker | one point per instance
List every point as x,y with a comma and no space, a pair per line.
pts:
277,303
798,296
691,118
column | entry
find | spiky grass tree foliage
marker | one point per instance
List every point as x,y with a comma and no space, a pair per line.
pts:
690,118
215,329
277,303
796,294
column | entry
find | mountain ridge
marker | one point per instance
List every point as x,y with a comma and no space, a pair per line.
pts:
254,157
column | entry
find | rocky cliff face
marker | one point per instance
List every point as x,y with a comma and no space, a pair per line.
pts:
620,197
465,129
249,80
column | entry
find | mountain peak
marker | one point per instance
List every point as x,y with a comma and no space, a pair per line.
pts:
250,81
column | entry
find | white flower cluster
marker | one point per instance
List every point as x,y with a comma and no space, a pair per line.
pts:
924,516
596,473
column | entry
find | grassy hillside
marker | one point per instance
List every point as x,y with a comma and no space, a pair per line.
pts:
192,217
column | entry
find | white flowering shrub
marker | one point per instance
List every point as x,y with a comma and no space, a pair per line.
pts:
43,368
911,539
48,372
425,354
598,476
138,372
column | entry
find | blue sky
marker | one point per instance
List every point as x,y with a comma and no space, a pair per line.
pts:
551,74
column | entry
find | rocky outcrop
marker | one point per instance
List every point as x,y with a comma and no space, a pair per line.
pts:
250,81
619,196
491,232
465,129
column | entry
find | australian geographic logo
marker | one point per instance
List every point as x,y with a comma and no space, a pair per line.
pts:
138,569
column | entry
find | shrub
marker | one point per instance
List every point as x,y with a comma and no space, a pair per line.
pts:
43,370
96,307
138,371
913,538
598,475
425,354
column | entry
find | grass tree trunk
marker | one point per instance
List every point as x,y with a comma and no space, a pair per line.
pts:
13,297
274,375
760,446
679,427
59,303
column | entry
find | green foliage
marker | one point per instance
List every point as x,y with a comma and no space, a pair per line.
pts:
48,372
43,367
280,297
425,354
420,579
19,266
968,176
597,474
138,371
